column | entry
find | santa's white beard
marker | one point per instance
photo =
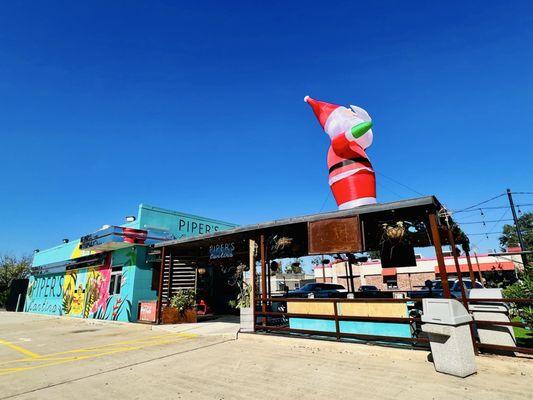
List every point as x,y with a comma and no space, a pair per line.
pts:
338,123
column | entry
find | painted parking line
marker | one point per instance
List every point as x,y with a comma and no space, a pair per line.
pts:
40,361
20,349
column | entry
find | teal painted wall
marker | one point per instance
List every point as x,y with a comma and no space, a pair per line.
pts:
84,292
176,223
54,254
143,281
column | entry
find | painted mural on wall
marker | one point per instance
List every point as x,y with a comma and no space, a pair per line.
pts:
44,294
103,292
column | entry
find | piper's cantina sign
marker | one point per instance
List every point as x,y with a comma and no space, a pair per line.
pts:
223,250
338,235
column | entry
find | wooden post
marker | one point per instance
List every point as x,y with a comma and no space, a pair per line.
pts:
170,277
463,292
470,269
435,235
457,268
160,289
263,279
252,278
336,314
479,269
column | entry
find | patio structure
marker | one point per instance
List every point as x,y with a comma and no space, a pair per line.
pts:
217,258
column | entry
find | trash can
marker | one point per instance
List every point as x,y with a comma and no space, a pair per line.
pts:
495,311
446,322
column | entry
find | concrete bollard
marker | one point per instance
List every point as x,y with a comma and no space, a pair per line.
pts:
446,322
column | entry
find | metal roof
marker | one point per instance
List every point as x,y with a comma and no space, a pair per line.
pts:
368,209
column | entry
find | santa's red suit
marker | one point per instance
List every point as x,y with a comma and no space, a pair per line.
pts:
351,176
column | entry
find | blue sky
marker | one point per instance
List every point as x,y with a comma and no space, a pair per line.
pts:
197,106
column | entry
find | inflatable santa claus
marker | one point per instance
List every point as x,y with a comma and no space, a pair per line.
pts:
351,176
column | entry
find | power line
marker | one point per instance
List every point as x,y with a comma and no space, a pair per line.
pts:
493,208
492,228
481,222
399,183
478,204
494,233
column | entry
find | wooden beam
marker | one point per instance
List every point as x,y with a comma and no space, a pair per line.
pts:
252,277
263,278
435,237
160,289
470,269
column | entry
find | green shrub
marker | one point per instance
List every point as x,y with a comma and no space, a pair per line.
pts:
183,300
523,289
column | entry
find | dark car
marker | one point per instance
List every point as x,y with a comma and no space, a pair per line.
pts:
434,289
368,288
319,290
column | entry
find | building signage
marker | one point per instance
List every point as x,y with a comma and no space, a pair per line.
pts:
338,235
147,311
112,238
224,250
196,227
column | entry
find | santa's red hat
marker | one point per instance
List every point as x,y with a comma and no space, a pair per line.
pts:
321,109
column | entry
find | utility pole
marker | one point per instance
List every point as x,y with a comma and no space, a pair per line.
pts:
518,233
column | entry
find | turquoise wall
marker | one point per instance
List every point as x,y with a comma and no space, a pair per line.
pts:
176,223
357,327
55,254
84,292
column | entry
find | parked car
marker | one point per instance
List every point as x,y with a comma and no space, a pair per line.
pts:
319,290
455,289
434,289
368,288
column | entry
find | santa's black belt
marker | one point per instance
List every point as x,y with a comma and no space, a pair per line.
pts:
348,162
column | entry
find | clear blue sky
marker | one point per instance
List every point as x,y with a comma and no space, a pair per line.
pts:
197,106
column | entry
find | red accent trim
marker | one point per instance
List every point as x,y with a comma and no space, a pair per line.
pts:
484,267
388,271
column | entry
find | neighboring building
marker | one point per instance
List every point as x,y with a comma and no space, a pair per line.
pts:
281,282
104,275
412,278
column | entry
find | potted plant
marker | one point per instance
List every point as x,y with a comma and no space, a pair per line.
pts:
244,305
181,309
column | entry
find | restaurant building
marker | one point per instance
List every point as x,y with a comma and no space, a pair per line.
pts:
414,277
105,274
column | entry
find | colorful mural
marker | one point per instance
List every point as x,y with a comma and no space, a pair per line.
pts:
86,292
113,290
44,294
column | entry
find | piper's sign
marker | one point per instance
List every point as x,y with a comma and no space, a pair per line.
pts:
224,250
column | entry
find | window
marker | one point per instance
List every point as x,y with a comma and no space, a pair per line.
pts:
156,270
392,283
297,285
115,281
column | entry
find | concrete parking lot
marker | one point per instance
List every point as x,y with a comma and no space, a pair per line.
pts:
50,358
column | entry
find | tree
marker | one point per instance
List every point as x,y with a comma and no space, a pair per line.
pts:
509,237
295,267
524,287
12,267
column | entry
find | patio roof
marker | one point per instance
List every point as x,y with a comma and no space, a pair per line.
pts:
414,208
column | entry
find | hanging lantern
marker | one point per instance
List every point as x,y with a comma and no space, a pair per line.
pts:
274,266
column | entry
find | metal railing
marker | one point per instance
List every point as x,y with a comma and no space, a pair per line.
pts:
269,320
283,317
477,323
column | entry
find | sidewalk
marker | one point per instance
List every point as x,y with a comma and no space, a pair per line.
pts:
226,327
